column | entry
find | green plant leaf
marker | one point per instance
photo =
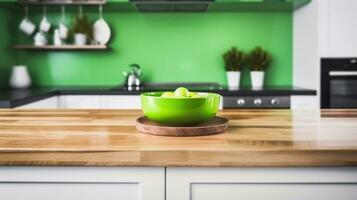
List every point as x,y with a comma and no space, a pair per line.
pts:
234,59
258,59
82,25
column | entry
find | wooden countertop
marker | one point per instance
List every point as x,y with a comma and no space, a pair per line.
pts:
109,138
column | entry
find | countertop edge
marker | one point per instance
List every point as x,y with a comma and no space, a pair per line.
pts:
184,158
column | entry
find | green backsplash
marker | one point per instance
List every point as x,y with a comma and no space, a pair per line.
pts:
169,48
6,56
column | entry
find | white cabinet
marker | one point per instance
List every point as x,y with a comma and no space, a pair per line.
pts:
80,102
323,28
304,102
261,183
178,183
338,28
231,191
121,102
90,102
49,103
306,53
87,102
89,183
100,102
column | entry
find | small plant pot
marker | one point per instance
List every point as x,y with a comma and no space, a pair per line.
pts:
80,39
233,79
257,78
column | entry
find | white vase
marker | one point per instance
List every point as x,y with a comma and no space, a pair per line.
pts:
233,79
257,78
57,41
80,39
20,77
40,39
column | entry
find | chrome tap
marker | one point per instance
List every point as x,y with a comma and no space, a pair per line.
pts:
132,78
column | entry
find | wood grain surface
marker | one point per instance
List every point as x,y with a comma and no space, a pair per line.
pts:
109,138
211,127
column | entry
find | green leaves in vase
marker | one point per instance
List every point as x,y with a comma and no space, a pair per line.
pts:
258,59
82,25
234,59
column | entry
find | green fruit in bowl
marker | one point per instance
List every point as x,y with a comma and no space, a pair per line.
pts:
192,94
196,96
167,95
179,111
182,92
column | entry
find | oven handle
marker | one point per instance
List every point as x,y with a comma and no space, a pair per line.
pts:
343,73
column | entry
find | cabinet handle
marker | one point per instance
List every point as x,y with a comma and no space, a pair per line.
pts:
343,73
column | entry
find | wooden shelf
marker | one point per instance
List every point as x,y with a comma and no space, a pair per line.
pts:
62,2
60,48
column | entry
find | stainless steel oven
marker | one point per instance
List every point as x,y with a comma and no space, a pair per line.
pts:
339,83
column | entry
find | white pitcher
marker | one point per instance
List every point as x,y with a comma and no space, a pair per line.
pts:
20,77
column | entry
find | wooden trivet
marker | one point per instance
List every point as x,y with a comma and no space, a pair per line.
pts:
214,126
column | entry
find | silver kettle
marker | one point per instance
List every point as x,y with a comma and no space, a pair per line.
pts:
132,78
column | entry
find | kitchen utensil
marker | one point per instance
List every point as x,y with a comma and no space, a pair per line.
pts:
180,111
20,77
101,29
26,25
63,30
40,39
45,25
57,41
132,78
214,126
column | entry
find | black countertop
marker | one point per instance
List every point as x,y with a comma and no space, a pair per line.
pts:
10,98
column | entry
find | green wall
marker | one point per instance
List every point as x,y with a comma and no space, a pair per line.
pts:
169,47
6,56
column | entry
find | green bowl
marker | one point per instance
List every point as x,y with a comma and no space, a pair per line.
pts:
179,111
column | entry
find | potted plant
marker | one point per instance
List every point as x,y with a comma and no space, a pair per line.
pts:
82,30
258,60
233,61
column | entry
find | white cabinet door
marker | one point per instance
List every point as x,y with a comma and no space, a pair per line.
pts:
89,183
121,102
305,102
49,103
261,183
338,28
100,101
81,102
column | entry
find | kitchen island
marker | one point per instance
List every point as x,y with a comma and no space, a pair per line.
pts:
98,153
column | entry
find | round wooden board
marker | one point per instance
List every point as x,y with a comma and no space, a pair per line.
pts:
214,126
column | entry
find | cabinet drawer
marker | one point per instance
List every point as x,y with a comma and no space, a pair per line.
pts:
89,183
61,191
281,191
262,183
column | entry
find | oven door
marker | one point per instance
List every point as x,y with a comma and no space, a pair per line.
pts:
342,89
